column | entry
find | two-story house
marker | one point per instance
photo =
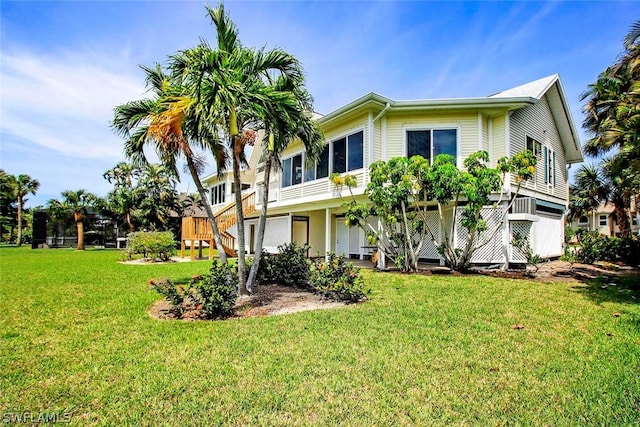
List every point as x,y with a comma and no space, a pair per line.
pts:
305,208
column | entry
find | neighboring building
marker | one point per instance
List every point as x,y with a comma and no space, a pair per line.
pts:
305,208
603,219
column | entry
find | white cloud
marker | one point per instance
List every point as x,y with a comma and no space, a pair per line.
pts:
64,102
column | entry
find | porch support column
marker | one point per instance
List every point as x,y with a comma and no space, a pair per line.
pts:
327,233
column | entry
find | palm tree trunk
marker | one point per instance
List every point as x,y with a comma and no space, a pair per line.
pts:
237,188
257,251
207,207
19,238
80,227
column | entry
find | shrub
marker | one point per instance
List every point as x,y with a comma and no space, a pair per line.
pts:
217,291
338,279
175,295
210,296
597,247
151,244
289,267
521,242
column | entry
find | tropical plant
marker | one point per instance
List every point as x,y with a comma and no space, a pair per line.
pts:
21,186
7,204
612,115
401,188
79,203
607,182
170,122
239,90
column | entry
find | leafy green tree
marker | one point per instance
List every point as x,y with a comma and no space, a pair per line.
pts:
7,204
294,122
400,191
612,119
609,182
170,122
232,86
79,203
22,185
121,201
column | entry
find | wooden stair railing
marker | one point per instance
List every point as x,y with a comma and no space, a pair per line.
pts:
200,229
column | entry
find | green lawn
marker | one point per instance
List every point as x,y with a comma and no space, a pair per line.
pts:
75,337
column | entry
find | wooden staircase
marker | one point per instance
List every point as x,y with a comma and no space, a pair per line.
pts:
199,229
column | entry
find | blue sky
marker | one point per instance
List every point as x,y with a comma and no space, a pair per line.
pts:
65,65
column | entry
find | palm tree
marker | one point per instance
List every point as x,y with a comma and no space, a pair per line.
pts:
21,186
156,196
230,84
122,175
604,183
169,123
295,123
612,111
123,198
79,202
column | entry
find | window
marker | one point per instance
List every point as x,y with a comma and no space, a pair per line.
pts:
429,143
549,161
602,220
319,169
292,171
243,187
634,220
534,146
218,194
348,153
583,220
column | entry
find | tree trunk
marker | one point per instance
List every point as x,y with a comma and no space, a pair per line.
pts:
257,250
127,218
623,221
237,188
19,238
207,207
80,227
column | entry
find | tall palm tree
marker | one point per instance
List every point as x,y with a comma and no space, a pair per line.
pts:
230,84
612,111
168,121
79,202
293,123
22,185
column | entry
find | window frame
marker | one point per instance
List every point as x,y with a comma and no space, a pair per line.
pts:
537,145
585,222
283,173
418,128
550,166
218,191
600,218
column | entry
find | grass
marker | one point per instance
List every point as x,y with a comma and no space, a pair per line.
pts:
75,337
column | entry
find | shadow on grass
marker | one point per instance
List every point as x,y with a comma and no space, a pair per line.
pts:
604,288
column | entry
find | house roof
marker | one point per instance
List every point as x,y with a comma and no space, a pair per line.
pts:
507,100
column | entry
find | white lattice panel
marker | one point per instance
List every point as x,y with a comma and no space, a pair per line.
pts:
492,251
429,249
522,228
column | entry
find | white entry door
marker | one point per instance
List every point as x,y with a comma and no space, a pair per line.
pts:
342,237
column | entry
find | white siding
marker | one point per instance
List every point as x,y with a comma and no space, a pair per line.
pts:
498,140
537,122
547,235
465,122
277,232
